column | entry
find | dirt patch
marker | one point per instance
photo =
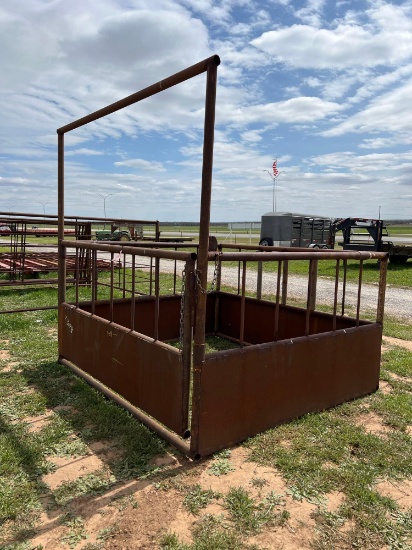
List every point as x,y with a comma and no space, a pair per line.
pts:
401,378
400,491
398,342
385,387
243,475
10,366
372,423
4,354
297,534
70,469
334,501
36,423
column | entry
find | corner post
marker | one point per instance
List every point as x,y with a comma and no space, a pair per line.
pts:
202,261
60,211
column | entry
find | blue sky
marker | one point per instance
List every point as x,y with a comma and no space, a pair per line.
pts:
323,86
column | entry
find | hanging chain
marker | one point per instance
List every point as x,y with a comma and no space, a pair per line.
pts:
215,273
182,313
212,286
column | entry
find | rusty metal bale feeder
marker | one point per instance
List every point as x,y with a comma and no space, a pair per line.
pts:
289,361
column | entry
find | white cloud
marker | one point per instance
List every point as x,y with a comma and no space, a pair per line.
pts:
389,112
142,164
347,45
83,151
291,111
312,12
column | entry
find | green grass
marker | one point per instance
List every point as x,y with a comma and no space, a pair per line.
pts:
317,454
399,229
397,275
330,452
39,384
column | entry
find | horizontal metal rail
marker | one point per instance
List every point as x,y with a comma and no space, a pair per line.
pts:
133,250
148,421
279,255
160,86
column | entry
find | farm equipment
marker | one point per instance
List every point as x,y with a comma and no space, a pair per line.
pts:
118,232
297,230
367,234
113,235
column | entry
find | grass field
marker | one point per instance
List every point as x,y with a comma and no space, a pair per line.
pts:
339,479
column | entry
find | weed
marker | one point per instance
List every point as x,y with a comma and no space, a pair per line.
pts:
220,467
91,484
107,533
258,482
197,498
210,532
123,502
250,517
171,542
76,530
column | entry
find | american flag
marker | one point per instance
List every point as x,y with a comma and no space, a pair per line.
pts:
275,170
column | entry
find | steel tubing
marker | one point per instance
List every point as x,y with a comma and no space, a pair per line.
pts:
382,289
313,255
203,253
60,207
177,78
126,249
148,421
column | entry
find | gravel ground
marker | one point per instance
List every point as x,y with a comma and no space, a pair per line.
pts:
398,301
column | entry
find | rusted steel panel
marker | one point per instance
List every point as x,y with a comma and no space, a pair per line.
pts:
147,374
144,316
248,390
40,262
260,319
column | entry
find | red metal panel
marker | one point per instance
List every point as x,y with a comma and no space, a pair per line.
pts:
146,373
248,390
260,320
169,314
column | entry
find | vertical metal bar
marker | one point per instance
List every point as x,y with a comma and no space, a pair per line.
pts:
238,277
157,292
359,292
218,267
243,305
383,266
202,261
313,266
277,307
60,209
345,272
335,297
94,282
174,275
285,282
157,230
111,284
151,276
218,272
133,300
259,281
309,298
77,277
124,273
188,298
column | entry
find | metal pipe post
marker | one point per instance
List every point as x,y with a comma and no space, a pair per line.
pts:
202,262
60,230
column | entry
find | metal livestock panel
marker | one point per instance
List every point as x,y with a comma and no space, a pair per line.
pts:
245,391
146,372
